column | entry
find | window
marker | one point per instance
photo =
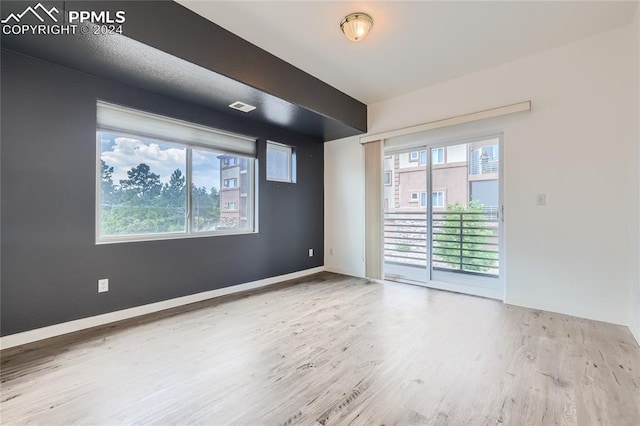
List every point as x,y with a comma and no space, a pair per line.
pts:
437,156
145,164
484,160
413,156
423,158
437,198
281,162
231,183
387,178
423,199
229,161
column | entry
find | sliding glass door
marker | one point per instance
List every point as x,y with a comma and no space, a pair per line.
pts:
442,216
405,216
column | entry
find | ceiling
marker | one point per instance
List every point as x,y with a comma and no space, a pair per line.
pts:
413,44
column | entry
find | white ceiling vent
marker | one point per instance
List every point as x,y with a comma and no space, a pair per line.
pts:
241,106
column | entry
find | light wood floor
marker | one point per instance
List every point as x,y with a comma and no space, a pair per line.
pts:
332,350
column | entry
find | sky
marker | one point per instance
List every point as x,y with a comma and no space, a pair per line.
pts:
123,153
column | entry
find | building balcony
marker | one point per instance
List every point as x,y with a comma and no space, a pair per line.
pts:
484,166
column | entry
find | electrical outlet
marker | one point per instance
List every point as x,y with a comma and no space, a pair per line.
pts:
103,285
310,252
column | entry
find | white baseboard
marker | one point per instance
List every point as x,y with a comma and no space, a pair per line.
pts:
488,293
618,318
344,272
84,323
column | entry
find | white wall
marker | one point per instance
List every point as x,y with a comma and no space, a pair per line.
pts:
572,255
635,250
344,207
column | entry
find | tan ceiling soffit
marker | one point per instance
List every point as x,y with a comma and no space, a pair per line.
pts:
451,121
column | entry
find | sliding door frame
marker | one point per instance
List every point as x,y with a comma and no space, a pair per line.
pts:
460,282
494,287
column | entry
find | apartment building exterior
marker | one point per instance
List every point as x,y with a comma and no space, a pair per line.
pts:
233,191
459,174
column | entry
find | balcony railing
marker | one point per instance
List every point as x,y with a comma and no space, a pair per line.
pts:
482,166
465,242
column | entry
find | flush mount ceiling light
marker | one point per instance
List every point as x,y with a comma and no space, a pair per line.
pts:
356,26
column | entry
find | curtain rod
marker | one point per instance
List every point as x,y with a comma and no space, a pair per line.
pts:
451,121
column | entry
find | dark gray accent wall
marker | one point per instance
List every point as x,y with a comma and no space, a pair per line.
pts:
50,262
168,49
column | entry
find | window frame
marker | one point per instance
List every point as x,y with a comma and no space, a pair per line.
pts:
423,196
426,158
252,206
291,157
413,199
444,200
414,158
433,158
226,181
385,174
226,163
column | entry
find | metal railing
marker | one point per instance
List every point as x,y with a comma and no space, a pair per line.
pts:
462,241
482,166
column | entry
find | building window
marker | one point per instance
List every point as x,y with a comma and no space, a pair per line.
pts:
484,160
281,162
229,161
437,198
145,163
413,156
437,156
387,178
423,158
231,183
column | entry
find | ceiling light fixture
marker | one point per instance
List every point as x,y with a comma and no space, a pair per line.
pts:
356,26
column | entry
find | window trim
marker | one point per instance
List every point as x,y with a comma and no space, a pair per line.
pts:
413,199
444,199
225,181
188,232
426,158
291,156
227,164
435,163
417,156
426,201
235,206
384,178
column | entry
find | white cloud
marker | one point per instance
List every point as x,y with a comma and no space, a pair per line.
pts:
163,159
127,153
